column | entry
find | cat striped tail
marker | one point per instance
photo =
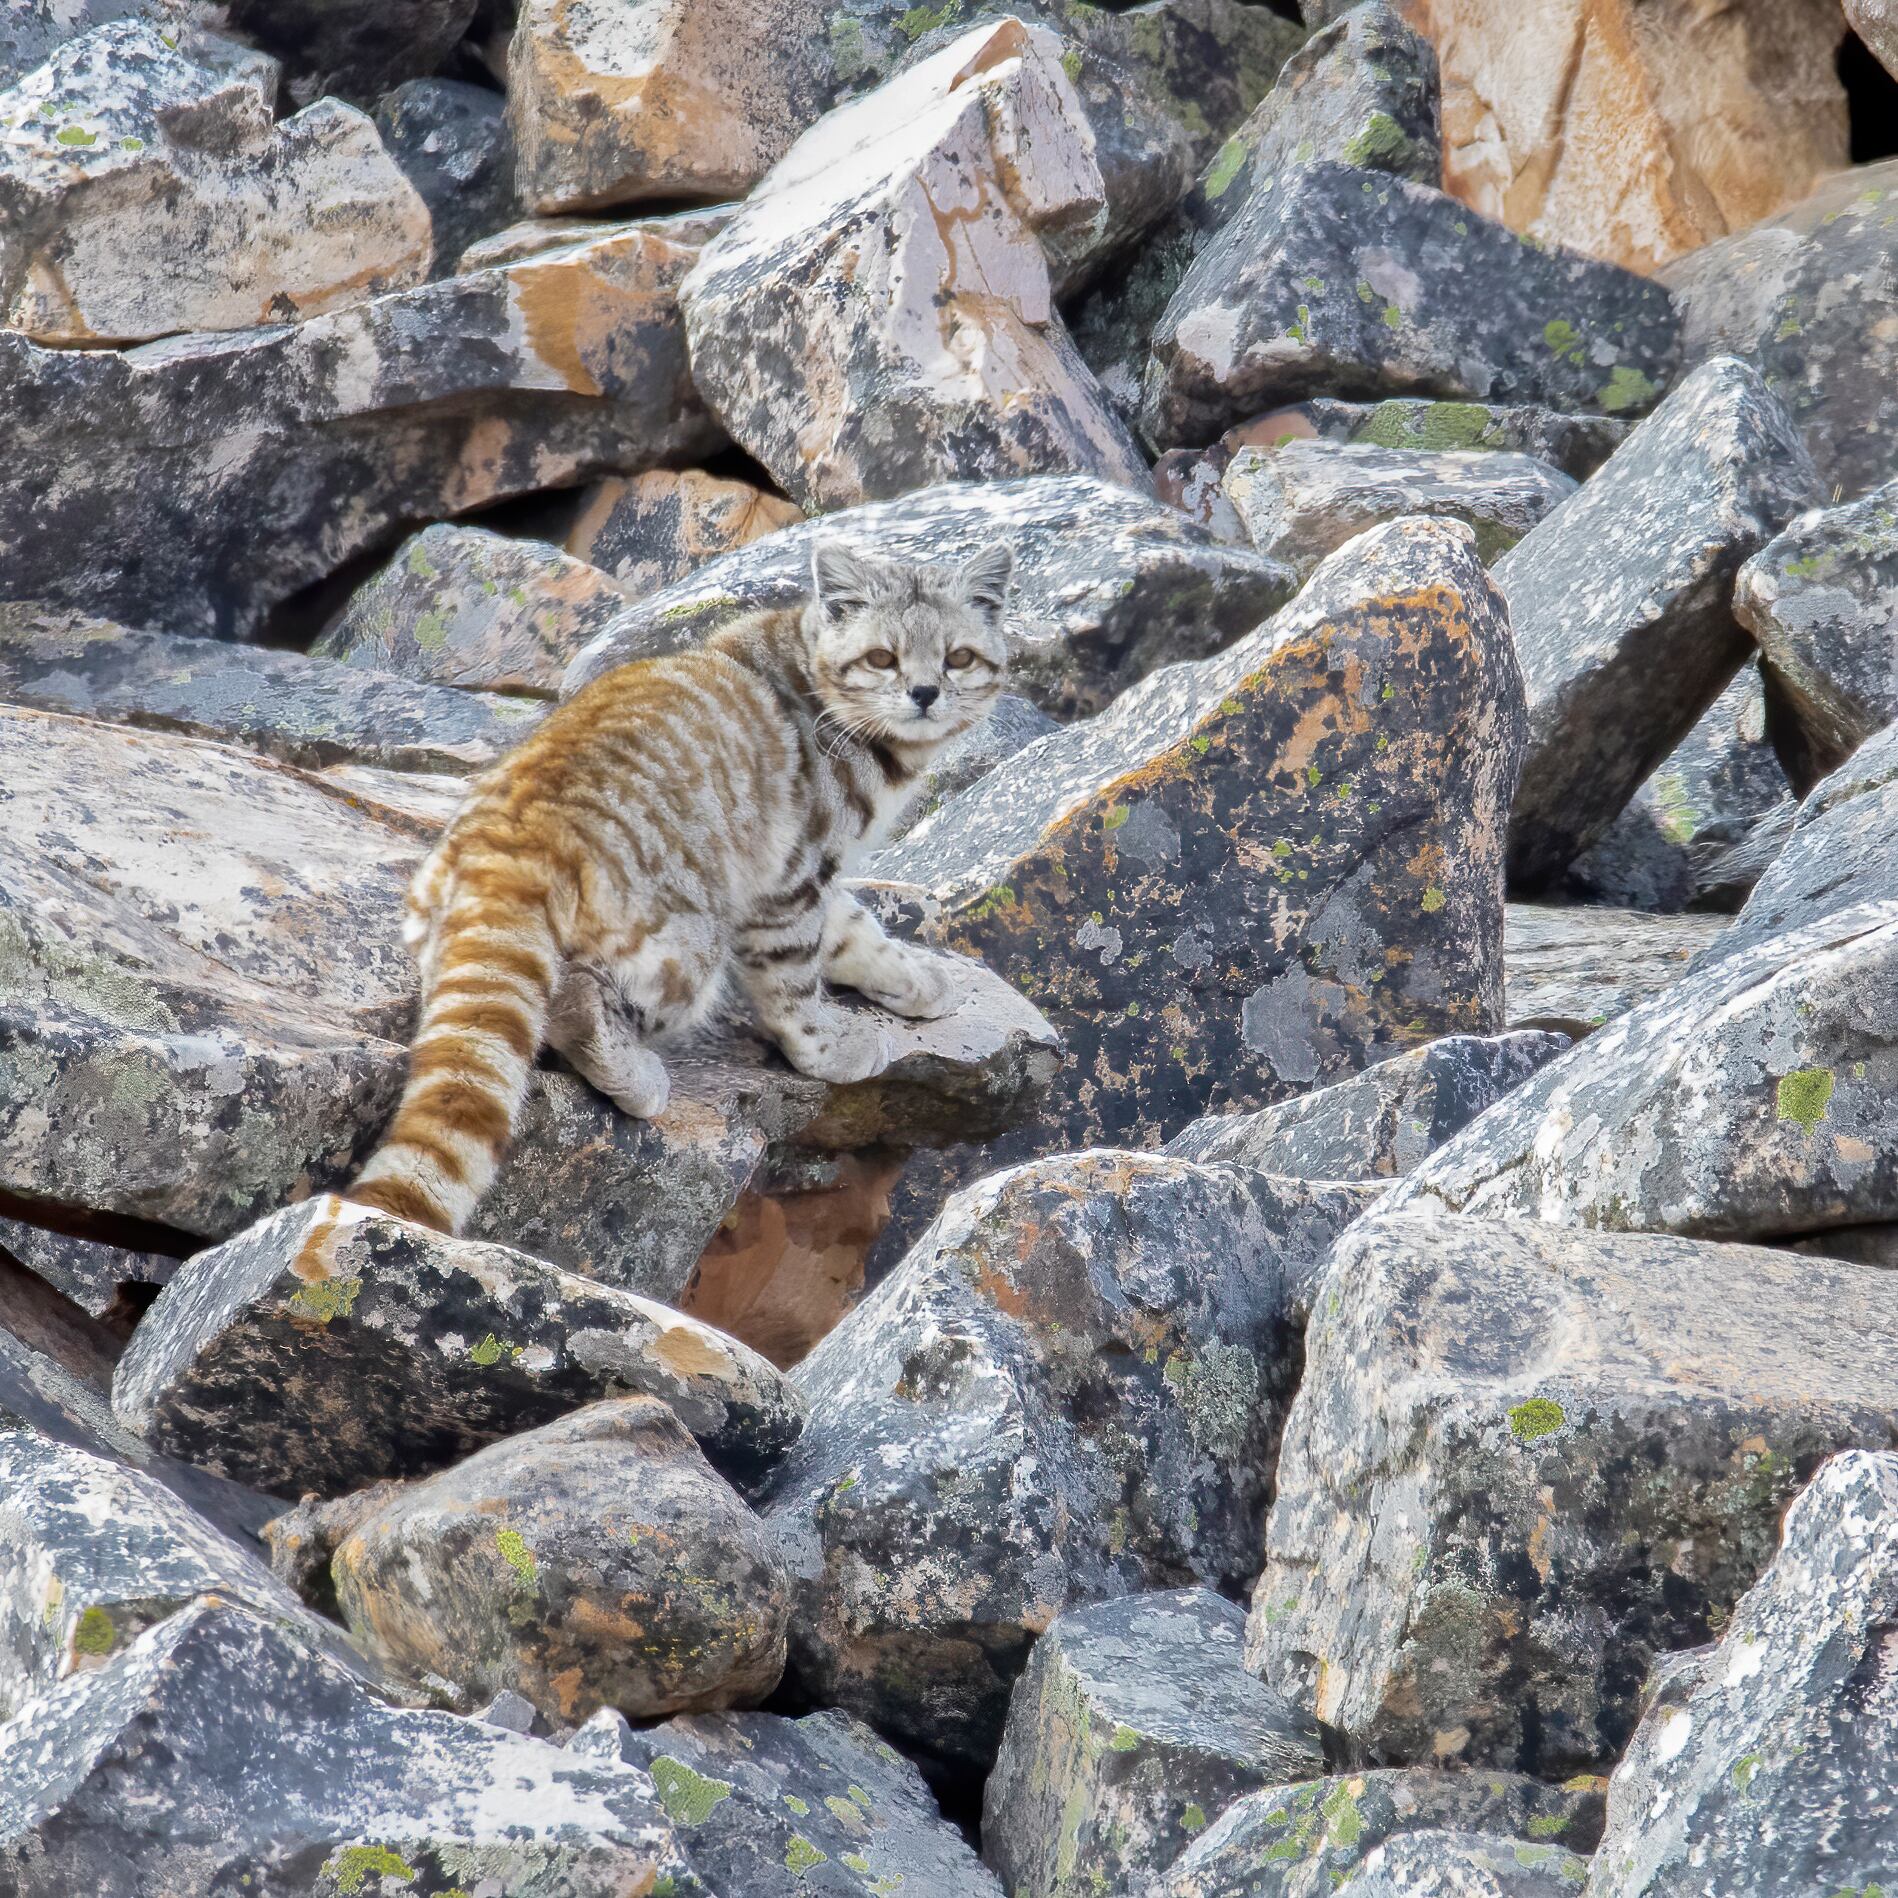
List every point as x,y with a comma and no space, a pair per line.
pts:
491,970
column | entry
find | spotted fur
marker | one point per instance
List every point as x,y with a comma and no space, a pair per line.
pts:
679,821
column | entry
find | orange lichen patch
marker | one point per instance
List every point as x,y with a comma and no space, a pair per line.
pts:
688,1353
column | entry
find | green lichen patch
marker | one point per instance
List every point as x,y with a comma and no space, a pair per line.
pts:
1433,900
1193,1819
1344,1823
687,1796
1380,139
800,1855
1627,391
1805,1095
96,1636
355,1865
518,1556
326,1299
1535,1418
920,20
1227,163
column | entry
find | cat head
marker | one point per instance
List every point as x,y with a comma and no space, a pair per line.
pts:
905,651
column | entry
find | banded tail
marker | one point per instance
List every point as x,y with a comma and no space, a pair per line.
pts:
489,978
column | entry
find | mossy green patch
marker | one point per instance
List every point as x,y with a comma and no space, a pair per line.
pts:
1627,390
1125,1739
76,135
1344,1824
355,1865
800,1855
920,20
1072,64
518,1556
95,1635
687,1796
1378,140
1547,1825
325,1299
1559,333
1117,815
487,1352
1193,1819
1227,163
801,1807
1535,1418
1805,1095
1433,900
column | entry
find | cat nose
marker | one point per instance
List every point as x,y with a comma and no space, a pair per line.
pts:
925,695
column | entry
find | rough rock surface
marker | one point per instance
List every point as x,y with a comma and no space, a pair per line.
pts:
1335,281
467,607
126,148
1573,969
93,1554
812,1808
230,472
30,36
597,1561
304,711
1302,1841
1523,1462
1306,499
1821,602
1635,132
663,525
1806,298
1724,776
452,143
1752,1099
1069,1390
1876,23
1132,1725
1377,1124
1767,1765
1465,1865
1633,574
1261,871
355,48
218,1754
329,1346
1108,584
880,313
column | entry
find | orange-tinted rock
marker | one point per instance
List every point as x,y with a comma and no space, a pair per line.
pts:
657,527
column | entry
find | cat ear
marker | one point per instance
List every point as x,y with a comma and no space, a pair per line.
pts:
841,579
986,577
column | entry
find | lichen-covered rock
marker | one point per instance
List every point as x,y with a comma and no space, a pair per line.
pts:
1768,1764
1573,969
354,48
464,606
1013,724
1306,499
1842,849
1363,92
451,141
595,1562
1633,130
1331,278
660,526
1068,1391
1876,23
1753,1098
1261,871
1108,584
330,1346
1465,1865
880,313
1576,445
1629,582
219,1754
1133,1724
147,190
1525,1461
1377,1124
536,236
774,1808
1820,602
222,474
304,711
29,36
1806,298
1303,1841
92,1554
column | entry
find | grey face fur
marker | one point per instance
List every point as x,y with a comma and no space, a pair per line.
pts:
903,652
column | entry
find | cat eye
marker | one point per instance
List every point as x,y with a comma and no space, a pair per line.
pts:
882,660
961,659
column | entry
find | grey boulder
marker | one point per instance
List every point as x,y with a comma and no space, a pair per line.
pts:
1134,1724
1571,969
451,142
1465,1865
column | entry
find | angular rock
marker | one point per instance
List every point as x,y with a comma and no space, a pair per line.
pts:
1728,874
1377,1124
304,711
1632,582
594,1562
451,141
354,48
1303,1841
1133,1723
776,1808
1418,297
1575,445
218,1754
1806,298
330,1346
1768,1764
1724,775
1362,92
1752,1099
30,36
535,236
1635,131
1820,602
148,191
467,607
1465,1865
1842,850
94,1554
879,315
1570,970
658,527
1068,1391
1633,865
1524,1461
230,472
1262,871
1013,724
1305,500
1876,23
1108,584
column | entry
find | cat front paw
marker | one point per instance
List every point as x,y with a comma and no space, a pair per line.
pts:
837,1046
